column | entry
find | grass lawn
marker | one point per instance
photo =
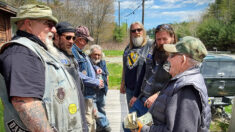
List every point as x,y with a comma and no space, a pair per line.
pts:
113,52
1,117
115,74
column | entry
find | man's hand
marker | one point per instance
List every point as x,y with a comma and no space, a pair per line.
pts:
32,114
101,85
99,71
148,103
132,101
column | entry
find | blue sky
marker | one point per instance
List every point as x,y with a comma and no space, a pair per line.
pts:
161,11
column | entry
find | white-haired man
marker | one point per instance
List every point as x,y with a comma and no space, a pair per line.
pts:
96,56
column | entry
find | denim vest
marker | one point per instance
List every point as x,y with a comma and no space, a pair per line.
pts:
86,68
189,77
60,99
102,65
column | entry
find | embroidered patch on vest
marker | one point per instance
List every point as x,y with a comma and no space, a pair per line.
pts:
65,62
84,72
132,59
60,95
72,108
14,127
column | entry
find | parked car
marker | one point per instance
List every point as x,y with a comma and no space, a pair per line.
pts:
219,74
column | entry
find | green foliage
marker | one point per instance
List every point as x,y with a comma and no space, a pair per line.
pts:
113,52
151,33
215,33
120,33
185,29
1,116
115,74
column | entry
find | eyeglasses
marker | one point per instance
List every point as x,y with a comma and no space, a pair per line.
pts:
85,39
138,29
69,37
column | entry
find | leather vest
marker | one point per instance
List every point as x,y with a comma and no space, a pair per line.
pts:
60,99
142,52
189,77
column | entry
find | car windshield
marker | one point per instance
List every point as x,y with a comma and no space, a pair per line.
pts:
218,69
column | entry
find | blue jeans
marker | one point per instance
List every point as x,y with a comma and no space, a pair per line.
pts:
129,95
139,107
102,119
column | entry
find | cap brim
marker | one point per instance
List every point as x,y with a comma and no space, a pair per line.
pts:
171,48
90,38
16,19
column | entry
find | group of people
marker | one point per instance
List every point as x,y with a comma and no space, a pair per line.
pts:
162,77
51,85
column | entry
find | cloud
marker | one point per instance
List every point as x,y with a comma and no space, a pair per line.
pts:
178,16
196,2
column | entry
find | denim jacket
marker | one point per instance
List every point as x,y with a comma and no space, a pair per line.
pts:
87,72
102,65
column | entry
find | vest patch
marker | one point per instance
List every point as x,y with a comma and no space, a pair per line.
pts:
60,95
14,127
65,62
132,59
72,108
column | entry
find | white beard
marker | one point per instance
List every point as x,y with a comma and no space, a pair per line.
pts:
95,61
49,44
137,42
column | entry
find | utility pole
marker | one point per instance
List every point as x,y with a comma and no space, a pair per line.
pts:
119,14
143,12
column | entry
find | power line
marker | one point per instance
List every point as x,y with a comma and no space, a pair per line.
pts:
133,12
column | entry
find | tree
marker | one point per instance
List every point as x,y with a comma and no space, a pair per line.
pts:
120,33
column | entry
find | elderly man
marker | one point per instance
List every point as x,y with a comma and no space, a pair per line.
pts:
42,93
134,58
87,73
183,104
102,122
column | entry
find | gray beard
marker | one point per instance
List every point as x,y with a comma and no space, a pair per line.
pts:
137,42
51,48
95,61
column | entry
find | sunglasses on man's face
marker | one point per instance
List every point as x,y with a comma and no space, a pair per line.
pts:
50,24
69,37
164,27
138,30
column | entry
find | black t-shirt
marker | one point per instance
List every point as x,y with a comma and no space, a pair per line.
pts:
23,71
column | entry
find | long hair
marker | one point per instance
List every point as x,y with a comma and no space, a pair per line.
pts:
144,34
161,56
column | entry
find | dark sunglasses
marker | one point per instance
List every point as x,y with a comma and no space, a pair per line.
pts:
164,27
50,24
69,37
138,29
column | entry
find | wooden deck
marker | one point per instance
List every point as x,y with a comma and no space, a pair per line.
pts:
116,109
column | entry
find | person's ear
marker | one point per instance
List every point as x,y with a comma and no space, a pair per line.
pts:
184,59
28,25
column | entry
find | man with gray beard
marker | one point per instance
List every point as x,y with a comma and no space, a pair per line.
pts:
134,59
96,56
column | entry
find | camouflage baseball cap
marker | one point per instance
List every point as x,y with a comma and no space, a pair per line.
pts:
188,45
33,11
